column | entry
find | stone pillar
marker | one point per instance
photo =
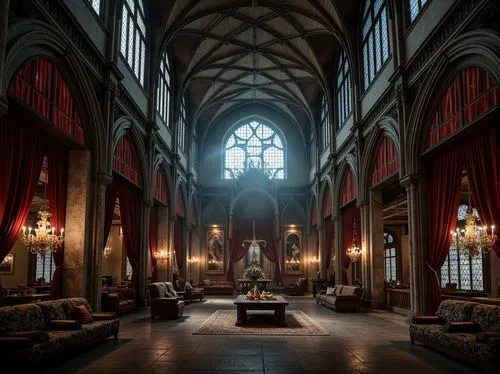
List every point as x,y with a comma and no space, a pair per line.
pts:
322,253
416,245
364,237
376,260
170,249
143,252
338,247
162,244
77,251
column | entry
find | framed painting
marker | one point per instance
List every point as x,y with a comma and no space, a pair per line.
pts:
7,265
215,251
293,252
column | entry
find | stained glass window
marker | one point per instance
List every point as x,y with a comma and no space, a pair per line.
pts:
324,124
163,89
44,267
414,8
460,268
390,257
344,98
254,145
375,34
133,38
181,137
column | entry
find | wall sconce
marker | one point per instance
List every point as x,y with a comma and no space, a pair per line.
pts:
314,261
106,253
193,260
162,256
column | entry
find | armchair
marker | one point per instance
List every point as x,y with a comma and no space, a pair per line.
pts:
163,303
299,288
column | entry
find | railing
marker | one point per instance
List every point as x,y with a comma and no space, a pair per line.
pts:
397,297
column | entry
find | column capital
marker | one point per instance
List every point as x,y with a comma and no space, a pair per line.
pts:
410,180
362,203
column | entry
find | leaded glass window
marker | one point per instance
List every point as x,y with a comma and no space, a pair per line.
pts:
128,269
460,268
344,98
133,38
96,5
44,267
324,124
254,145
414,8
181,138
164,89
375,32
390,257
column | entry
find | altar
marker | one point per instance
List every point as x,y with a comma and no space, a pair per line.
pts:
247,284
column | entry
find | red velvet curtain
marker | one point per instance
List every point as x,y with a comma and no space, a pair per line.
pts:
129,211
267,231
443,196
350,214
21,157
328,226
153,242
242,229
178,241
111,192
57,191
481,160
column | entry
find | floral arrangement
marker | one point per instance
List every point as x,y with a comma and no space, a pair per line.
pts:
254,271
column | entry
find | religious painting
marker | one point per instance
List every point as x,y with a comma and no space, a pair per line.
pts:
293,248
215,252
7,265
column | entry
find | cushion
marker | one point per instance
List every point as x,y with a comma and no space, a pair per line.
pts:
52,310
487,317
455,311
483,336
348,290
206,282
38,336
330,291
82,314
460,327
70,303
24,317
338,289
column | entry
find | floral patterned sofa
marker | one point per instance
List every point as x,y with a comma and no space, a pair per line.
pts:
42,334
466,330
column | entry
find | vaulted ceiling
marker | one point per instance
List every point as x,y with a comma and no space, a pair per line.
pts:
276,53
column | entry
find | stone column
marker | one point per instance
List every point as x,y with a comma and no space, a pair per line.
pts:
162,244
170,249
143,252
364,237
76,246
415,244
338,248
376,250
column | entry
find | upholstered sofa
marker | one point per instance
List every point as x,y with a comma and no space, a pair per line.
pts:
164,304
299,288
39,335
341,298
465,330
221,287
118,299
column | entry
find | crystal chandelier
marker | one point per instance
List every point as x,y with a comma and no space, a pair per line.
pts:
354,251
43,238
473,239
107,252
162,256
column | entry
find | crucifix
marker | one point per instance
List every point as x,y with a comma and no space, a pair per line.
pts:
254,242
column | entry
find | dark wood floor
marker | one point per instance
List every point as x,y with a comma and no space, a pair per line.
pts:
375,342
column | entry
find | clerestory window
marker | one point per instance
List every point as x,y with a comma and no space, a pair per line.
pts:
133,37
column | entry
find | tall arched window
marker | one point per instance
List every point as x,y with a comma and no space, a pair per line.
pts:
254,145
96,5
133,37
390,257
414,8
459,267
163,89
324,124
375,39
181,139
344,98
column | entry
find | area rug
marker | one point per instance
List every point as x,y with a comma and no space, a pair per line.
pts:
260,323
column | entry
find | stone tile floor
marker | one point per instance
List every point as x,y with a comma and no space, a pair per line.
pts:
370,342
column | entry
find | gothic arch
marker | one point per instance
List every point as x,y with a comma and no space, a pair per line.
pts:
292,204
312,203
246,191
181,188
214,206
348,163
125,125
160,162
326,186
386,126
29,38
475,48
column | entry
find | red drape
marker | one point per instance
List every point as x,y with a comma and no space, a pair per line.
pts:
178,242
57,191
129,211
267,230
349,214
482,163
328,226
111,191
443,196
21,158
153,242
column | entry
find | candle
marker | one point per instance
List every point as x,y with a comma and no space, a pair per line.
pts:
53,230
62,231
24,230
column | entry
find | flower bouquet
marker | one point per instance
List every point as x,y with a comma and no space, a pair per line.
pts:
254,272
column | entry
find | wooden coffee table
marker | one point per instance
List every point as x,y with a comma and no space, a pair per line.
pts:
278,305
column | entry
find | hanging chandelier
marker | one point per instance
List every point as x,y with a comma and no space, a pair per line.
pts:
42,239
162,256
473,239
107,252
354,251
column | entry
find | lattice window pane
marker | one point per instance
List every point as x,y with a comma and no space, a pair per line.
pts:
124,38
445,275
44,267
128,270
477,273
465,281
454,267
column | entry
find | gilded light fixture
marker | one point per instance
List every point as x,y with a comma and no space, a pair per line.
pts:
354,251
107,252
162,256
43,238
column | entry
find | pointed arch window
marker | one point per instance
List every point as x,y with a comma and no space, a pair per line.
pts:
254,145
390,257
324,124
96,6
415,7
181,139
164,89
375,33
461,268
344,98
133,37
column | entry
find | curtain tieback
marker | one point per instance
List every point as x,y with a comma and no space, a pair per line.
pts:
435,273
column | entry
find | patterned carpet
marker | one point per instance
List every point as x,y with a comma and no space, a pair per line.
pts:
222,322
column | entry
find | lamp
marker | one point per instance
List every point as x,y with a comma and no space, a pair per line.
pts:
314,262
162,256
473,239
42,239
354,251
107,252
